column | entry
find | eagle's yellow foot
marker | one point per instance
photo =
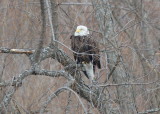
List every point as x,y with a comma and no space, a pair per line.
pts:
84,62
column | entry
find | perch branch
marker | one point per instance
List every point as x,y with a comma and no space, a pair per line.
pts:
16,51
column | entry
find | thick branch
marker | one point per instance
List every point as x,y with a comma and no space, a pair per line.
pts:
43,31
16,51
54,73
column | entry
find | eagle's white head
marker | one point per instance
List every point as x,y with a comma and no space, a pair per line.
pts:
81,31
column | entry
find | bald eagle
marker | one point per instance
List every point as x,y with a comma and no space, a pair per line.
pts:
86,51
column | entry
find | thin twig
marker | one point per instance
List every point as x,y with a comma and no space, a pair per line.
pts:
150,111
126,84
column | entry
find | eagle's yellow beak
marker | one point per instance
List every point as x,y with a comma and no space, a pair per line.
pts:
78,30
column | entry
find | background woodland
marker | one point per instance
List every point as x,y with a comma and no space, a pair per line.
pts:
39,75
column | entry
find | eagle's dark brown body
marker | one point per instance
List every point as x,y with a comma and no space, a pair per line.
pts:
86,50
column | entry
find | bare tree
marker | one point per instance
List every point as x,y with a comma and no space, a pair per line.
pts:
37,70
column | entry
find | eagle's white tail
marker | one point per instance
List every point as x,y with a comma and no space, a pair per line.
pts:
89,70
